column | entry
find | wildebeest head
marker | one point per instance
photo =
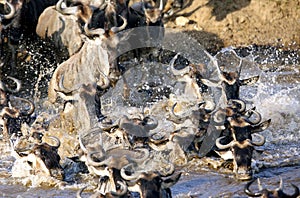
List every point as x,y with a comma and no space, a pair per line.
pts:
7,11
231,84
42,157
144,13
138,127
150,183
14,110
241,153
266,193
5,88
153,15
229,81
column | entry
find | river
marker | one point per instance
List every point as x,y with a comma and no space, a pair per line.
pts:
276,96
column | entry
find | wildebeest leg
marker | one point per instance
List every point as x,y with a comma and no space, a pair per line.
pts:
99,115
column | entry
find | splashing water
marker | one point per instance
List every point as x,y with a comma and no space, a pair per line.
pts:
276,96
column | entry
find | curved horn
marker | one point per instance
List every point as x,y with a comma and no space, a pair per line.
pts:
63,9
161,5
31,105
11,13
219,116
249,192
257,117
123,188
241,103
260,186
131,177
209,106
18,83
260,142
145,156
150,122
296,193
158,140
57,142
95,32
223,146
249,112
102,160
281,184
79,192
177,72
280,188
5,88
122,27
173,108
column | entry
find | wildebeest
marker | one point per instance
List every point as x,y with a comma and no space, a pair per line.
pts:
42,158
145,14
63,24
108,163
7,12
25,16
14,110
171,7
150,183
266,193
85,67
230,81
241,143
61,29
21,23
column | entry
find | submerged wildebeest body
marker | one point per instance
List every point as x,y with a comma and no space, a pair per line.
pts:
266,193
150,183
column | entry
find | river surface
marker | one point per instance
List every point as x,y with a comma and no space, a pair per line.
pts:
275,96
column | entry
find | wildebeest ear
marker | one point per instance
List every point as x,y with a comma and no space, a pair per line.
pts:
262,126
249,81
167,183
